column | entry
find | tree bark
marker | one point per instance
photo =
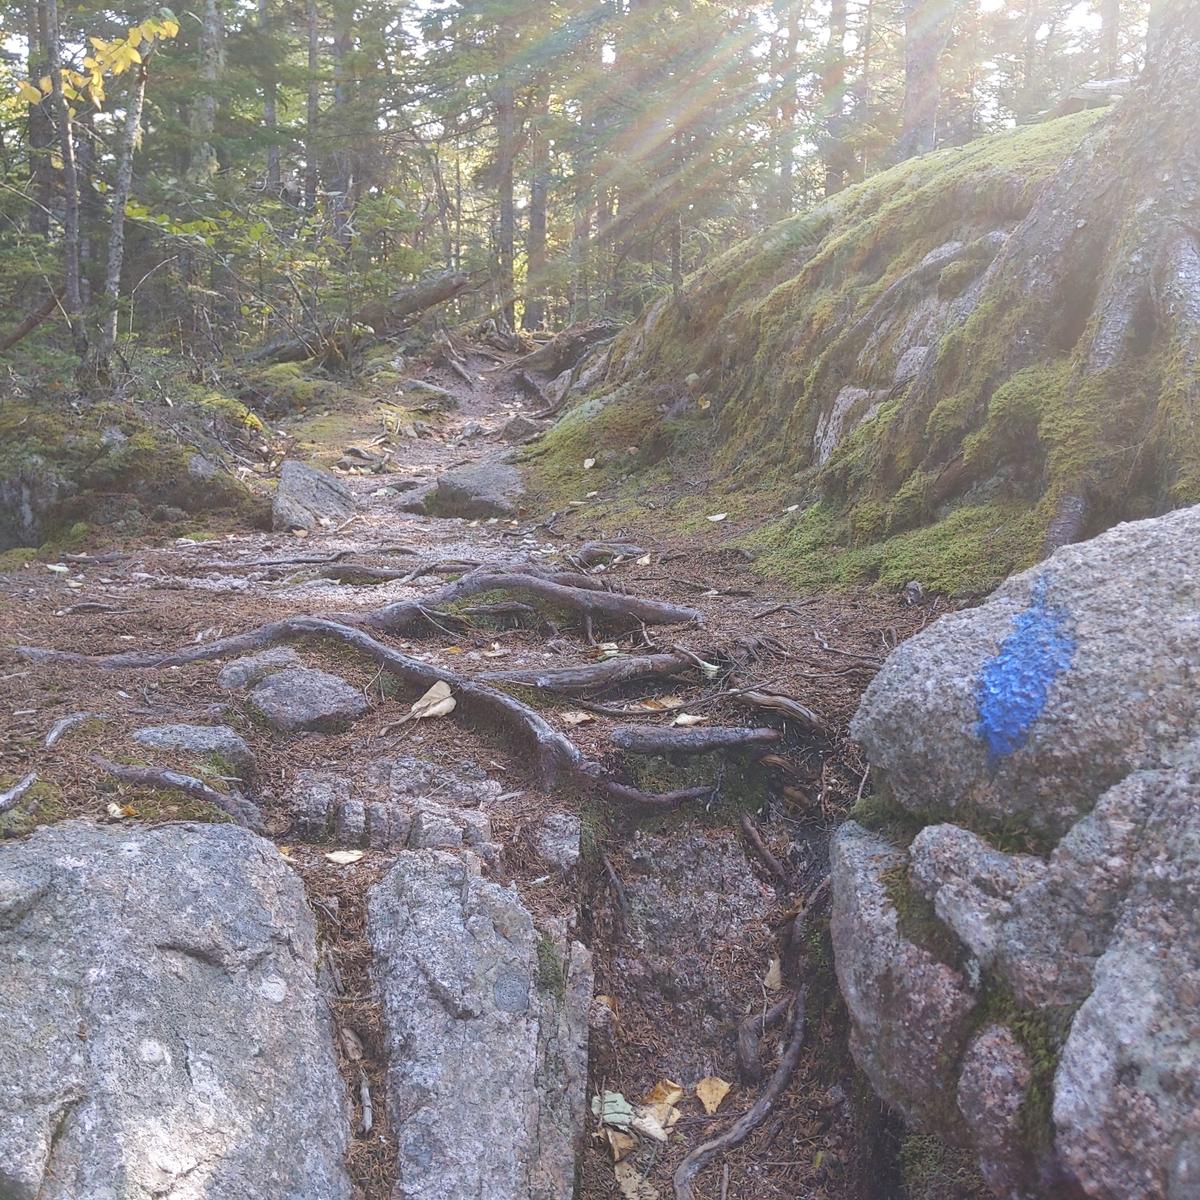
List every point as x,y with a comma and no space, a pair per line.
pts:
270,105
534,315
40,131
341,183
1110,38
506,149
116,233
202,157
833,85
72,296
313,113
927,25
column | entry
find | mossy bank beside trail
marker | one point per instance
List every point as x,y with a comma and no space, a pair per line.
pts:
874,393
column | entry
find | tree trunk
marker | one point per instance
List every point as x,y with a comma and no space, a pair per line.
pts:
581,230
788,109
270,106
927,26
534,315
1100,286
506,144
314,108
72,295
202,159
1110,38
40,134
341,183
116,234
833,87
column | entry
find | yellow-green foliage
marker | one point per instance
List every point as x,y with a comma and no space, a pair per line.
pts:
954,485
285,387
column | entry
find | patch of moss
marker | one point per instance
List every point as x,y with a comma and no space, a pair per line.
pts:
551,974
41,805
17,558
917,921
932,1169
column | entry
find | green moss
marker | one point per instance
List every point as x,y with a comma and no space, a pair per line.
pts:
17,558
551,974
917,921
288,387
41,805
932,1169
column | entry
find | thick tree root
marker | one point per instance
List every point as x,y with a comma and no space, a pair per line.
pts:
654,739
592,604
11,798
790,708
750,1032
574,681
632,795
741,1129
591,554
243,811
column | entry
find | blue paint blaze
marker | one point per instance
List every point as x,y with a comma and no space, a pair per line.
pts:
1013,686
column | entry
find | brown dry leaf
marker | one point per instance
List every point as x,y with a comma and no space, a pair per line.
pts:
454,649
436,702
633,1184
665,1091
644,561
774,979
115,811
620,1143
576,717
343,858
711,1091
646,1121
665,1114
609,1002
688,719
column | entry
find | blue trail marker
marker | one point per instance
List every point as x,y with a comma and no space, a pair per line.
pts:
1014,684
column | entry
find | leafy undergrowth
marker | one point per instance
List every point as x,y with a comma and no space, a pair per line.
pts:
724,402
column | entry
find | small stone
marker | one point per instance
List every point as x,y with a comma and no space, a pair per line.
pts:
434,831
301,698
557,839
242,672
519,429
350,823
483,489
201,741
313,799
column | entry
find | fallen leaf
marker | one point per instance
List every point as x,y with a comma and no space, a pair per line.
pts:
688,719
303,533
774,978
58,568
454,649
611,1108
352,1044
343,858
791,508
718,516
574,717
703,403
665,1114
710,1092
436,702
286,851
611,1003
644,561
633,1184
665,1091
646,1121
619,1142
588,463
115,811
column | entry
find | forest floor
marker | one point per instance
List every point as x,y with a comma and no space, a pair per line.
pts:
824,1137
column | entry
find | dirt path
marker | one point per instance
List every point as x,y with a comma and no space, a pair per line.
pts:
642,878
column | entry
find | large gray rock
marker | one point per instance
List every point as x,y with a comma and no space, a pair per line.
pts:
909,1011
484,489
301,698
161,1029
219,744
308,498
1062,714
1072,675
243,672
486,1035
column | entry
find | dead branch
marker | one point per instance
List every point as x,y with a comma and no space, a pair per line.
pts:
611,672
657,739
11,798
755,838
243,811
746,1124
750,1032
591,554
67,723
632,795
31,322
788,706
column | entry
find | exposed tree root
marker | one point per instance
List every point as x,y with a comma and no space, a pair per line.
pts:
790,708
591,554
755,838
11,798
573,681
632,795
750,1032
741,1129
243,811
654,739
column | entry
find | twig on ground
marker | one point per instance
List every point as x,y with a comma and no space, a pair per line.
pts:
11,798
642,739
244,811
755,838
750,1031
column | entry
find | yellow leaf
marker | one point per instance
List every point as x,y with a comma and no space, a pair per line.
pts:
665,1091
633,1184
99,44
774,978
135,36
436,702
46,84
710,1092
619,1142
29,93
572,717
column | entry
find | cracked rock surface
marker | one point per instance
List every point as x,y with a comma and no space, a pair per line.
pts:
161,1030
